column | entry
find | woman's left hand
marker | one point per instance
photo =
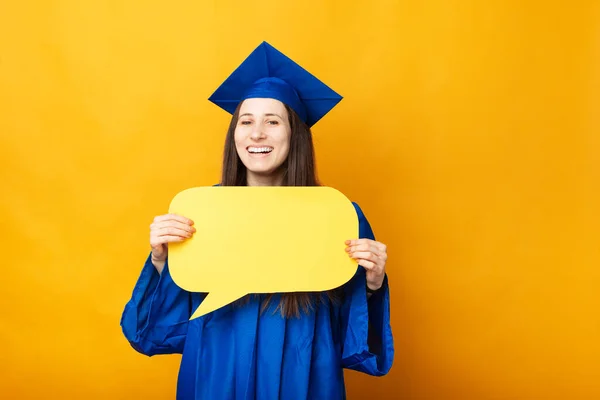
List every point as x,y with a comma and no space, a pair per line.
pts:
372,256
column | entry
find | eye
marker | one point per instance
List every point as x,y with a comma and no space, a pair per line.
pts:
245,122
273,122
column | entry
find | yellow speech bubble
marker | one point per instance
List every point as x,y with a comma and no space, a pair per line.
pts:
262,240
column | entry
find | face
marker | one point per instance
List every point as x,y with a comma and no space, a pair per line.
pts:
262,137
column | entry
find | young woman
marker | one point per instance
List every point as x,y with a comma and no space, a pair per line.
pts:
266,346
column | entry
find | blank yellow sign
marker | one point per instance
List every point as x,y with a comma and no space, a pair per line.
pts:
262,240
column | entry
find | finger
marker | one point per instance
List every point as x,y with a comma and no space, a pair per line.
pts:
164,221
368,265
365,255
365,244
173,217
158,250
364,241
382,247
357,247
378,250
165,236
167,239
157,247
173,231
373,263
354,242
364,248
172,224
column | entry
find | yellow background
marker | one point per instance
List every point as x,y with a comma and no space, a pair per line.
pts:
469,134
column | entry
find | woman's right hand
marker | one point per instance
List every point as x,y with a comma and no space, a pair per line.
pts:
166,229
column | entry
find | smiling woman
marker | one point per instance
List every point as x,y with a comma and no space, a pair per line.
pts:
288,345
260,149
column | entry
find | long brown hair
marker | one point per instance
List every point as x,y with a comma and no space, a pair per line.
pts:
299,169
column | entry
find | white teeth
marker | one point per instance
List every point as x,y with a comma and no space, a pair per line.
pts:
260,149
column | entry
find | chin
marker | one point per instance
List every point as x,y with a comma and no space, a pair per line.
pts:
261,168
262,172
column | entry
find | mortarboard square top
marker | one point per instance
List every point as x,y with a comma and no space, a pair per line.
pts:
268,73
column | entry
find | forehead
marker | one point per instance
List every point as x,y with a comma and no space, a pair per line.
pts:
260,106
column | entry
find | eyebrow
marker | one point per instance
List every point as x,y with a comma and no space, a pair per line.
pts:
266,115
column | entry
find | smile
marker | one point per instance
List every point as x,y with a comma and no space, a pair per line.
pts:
260,150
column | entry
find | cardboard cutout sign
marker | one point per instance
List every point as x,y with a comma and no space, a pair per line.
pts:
262,240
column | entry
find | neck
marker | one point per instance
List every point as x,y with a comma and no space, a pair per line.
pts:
275,179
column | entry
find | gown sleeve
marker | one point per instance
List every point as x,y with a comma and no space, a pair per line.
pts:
368,344
155,319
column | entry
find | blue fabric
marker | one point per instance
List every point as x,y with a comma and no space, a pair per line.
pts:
237,352
268,73
278,89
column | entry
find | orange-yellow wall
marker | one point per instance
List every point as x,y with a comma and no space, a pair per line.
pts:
469,134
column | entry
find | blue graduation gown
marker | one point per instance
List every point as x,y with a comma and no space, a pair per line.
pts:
238,352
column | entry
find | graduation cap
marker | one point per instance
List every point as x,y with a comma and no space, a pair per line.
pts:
268,73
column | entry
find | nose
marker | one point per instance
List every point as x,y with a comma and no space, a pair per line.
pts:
257,132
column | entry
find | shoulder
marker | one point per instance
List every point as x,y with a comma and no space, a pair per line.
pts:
364,227
359,211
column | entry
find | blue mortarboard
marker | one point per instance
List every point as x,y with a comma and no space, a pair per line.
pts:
268,73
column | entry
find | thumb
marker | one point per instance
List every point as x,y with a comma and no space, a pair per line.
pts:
159,251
